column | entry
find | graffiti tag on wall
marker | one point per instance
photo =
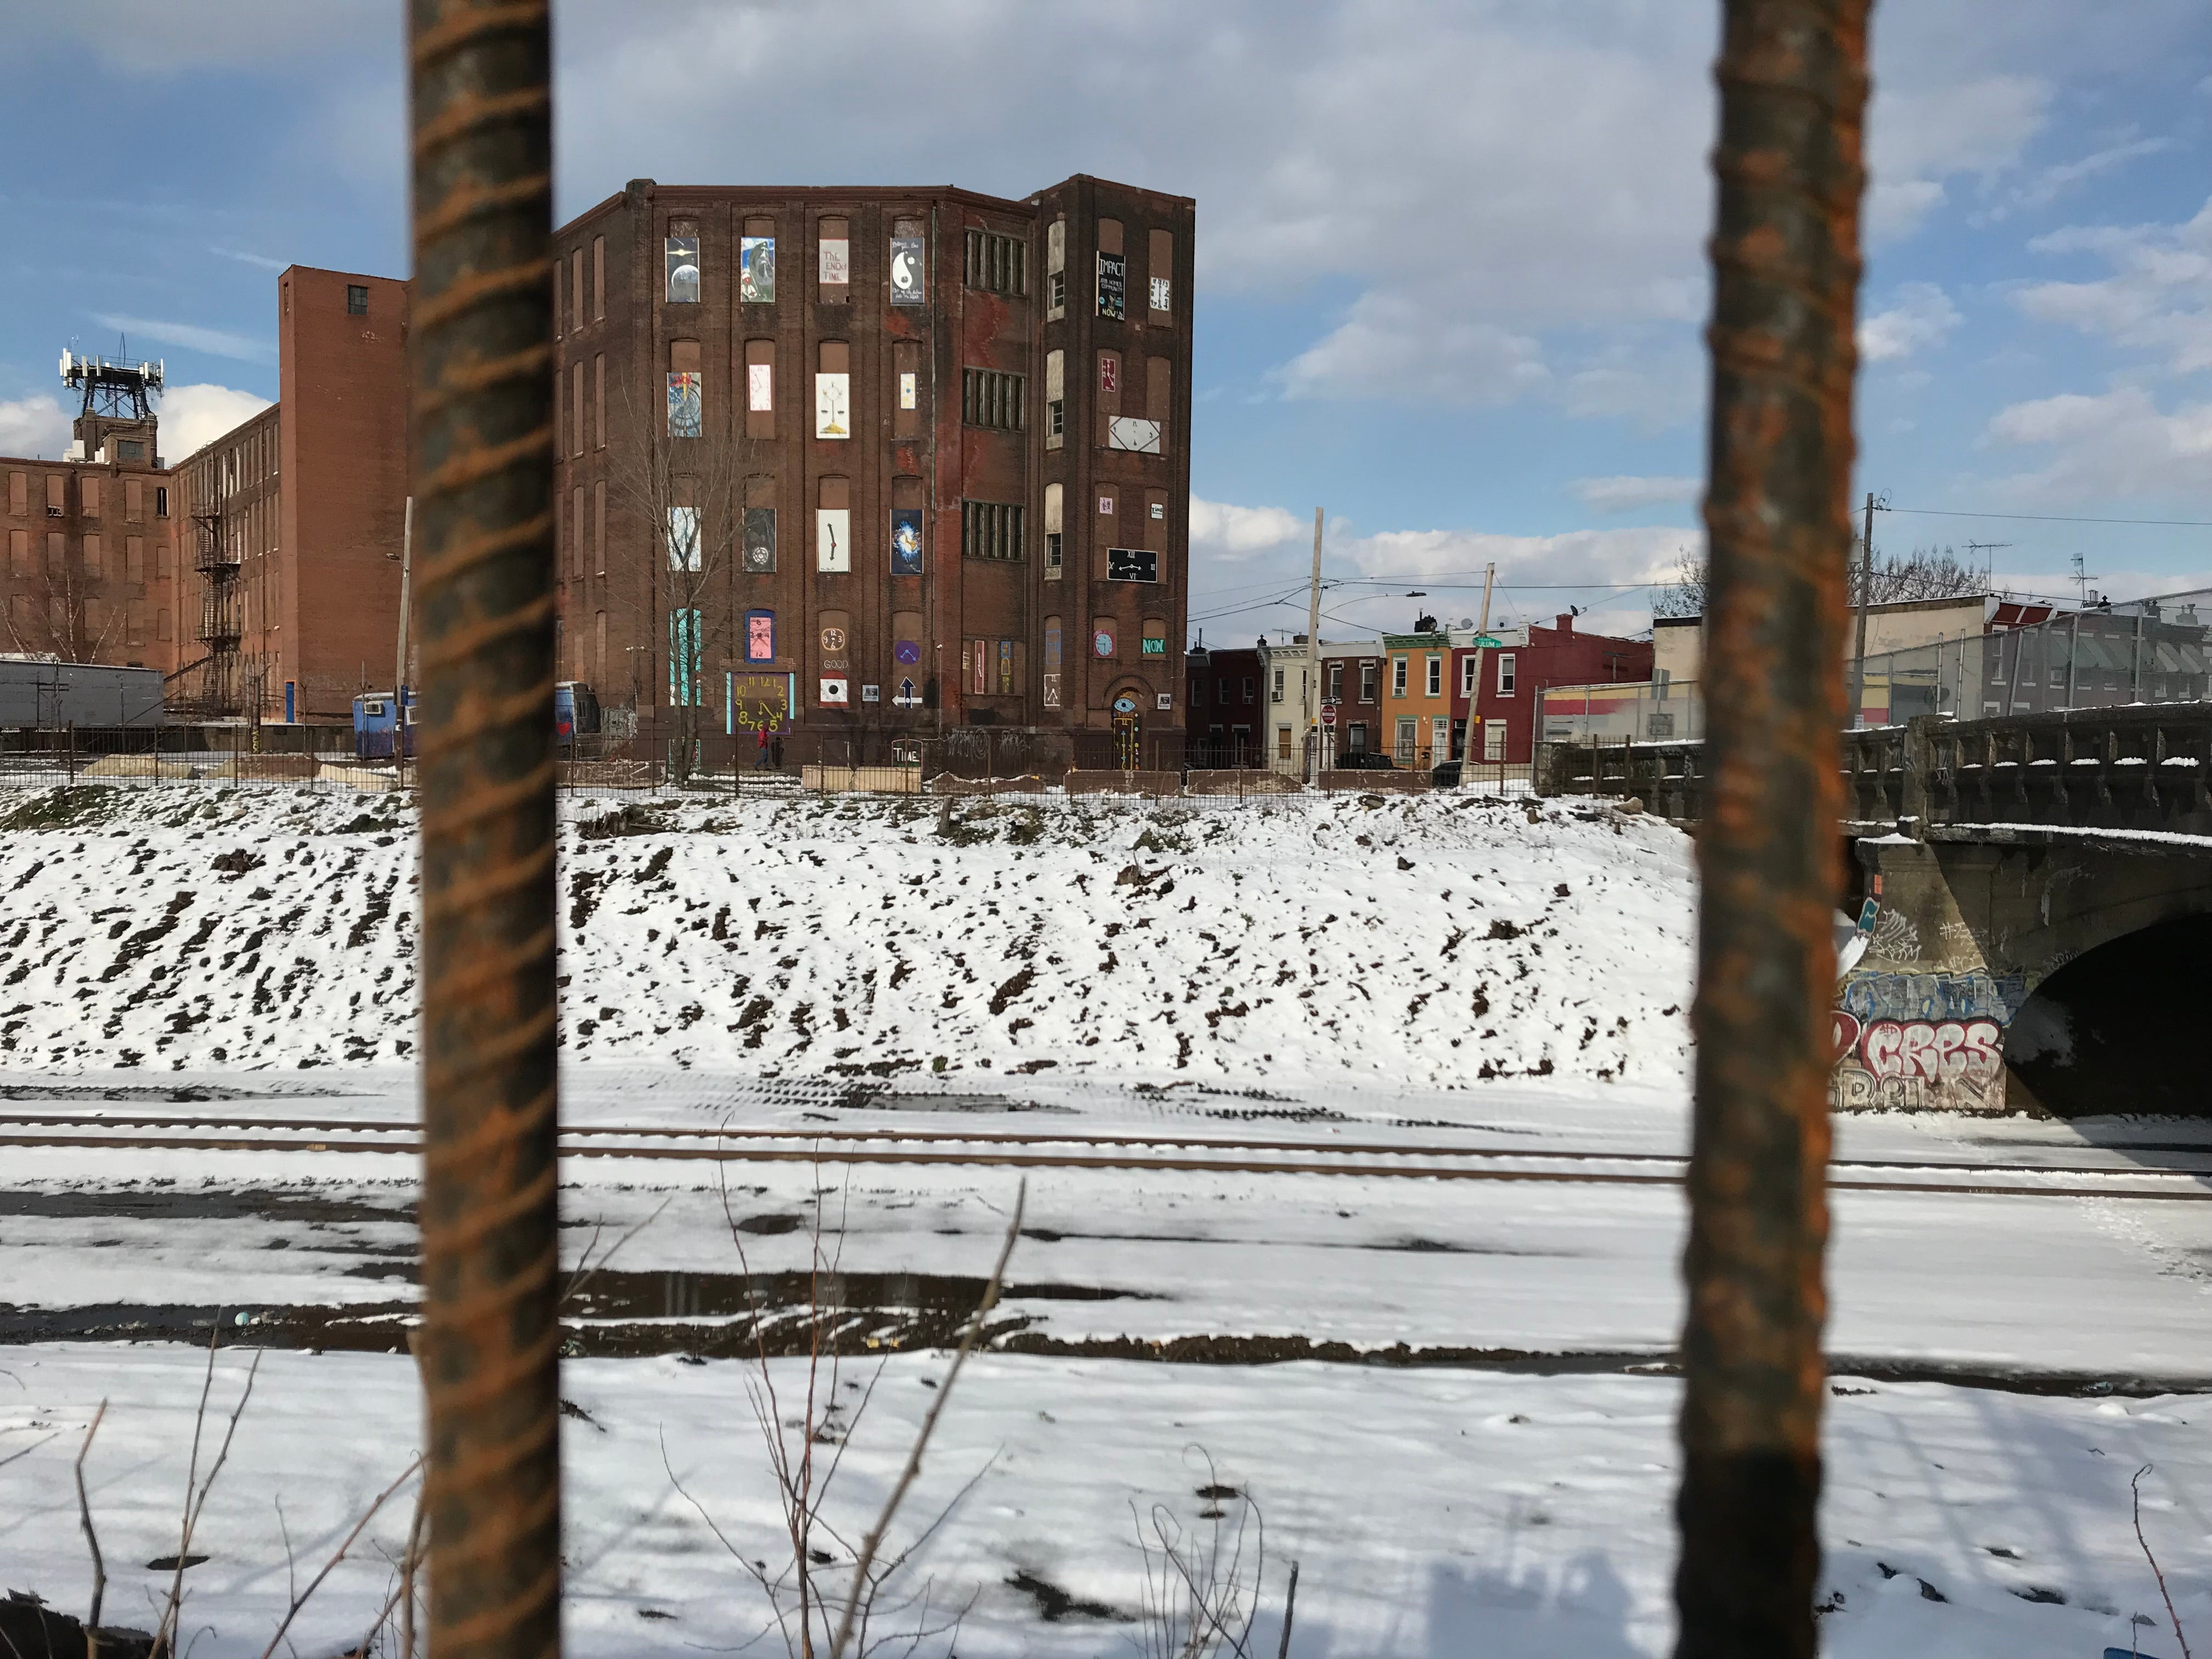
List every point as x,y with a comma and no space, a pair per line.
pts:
1923,1064
1934,998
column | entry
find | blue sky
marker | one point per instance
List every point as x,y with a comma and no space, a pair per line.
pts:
1451,280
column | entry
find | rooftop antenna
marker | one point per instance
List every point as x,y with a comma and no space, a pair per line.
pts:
2083,577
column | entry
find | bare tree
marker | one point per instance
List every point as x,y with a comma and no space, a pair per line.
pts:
62,612
684,470
1926,572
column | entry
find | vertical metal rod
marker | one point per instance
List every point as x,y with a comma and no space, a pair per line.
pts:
1865,598
1785,257
1309,704
399,672
482,362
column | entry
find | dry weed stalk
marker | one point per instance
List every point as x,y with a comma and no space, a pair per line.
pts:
196,1490
1196,1601
803,1607
2135,1487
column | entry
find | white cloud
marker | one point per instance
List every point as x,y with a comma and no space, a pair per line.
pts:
1236,532
1921,316
32,426
2046,186
2155,298
1920,137
2116,446
1633,494
1391,347
192,337
194,416
1574,558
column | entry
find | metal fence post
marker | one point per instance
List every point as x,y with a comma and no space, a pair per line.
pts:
483,365
1785,258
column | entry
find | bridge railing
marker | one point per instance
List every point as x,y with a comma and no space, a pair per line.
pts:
2136,767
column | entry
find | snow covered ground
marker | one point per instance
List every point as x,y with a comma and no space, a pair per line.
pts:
1427,977
1420,939
1433,1513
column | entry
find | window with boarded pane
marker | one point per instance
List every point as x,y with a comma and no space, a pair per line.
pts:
990,399
998,263
990,530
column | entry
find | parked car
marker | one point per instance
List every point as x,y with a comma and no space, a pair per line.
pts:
1368,761
1445,775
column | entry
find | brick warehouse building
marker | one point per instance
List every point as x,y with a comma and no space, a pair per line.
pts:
293,519
92,573
877,463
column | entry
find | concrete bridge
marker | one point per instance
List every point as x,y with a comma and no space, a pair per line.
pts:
2034,900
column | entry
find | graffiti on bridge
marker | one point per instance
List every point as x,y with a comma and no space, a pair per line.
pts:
1954,1065
1935,997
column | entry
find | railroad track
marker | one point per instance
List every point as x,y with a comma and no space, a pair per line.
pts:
1139,1150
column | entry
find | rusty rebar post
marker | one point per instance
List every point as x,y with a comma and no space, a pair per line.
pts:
482,357
1785,255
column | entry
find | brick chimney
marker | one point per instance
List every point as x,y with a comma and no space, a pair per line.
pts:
1566,622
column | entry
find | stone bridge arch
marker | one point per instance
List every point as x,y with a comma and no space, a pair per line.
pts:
1961,931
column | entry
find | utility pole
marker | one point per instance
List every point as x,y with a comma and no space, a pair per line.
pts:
399,672
1311,701
1866,596
1474,692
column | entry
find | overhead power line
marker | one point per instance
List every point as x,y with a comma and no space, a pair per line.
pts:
2044,517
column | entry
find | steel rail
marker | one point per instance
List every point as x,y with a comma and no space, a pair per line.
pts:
1785,258
743,1154
995,1138
482,412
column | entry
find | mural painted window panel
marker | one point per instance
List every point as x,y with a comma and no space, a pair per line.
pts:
756,269
836,260
682,260
1104,639
1132,564
686,403
1155,639
1052,655
908,269
1113,285
906,659
1128,432
833,538
760,387
910,394
683,549
833,405
760,540
1006,668
906,541
684,653
760,636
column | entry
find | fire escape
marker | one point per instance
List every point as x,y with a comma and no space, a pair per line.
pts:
222,611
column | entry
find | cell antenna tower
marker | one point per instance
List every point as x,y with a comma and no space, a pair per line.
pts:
113,391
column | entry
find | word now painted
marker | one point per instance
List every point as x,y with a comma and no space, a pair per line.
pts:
1949,1051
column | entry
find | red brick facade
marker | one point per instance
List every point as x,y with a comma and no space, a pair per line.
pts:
937,386
294,518
88,571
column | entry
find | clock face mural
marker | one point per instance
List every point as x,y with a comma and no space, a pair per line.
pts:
1102,641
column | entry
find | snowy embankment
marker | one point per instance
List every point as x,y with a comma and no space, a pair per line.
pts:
1427,941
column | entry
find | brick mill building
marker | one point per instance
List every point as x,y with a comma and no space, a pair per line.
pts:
871,464
92,569
293,519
